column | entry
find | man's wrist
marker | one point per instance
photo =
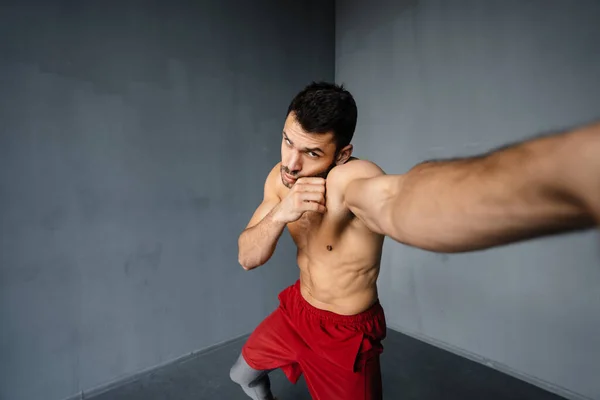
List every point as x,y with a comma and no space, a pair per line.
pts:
275,216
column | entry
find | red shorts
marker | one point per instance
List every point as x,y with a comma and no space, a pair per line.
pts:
338,354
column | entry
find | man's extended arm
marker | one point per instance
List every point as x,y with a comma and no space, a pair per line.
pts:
538,187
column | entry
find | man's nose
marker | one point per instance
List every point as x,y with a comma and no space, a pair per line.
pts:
294,162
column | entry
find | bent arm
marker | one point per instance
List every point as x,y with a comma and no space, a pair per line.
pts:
257,243
538,187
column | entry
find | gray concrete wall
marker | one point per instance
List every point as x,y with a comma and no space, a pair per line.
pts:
436,79
134,142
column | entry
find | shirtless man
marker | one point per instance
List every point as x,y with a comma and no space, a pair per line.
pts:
329,325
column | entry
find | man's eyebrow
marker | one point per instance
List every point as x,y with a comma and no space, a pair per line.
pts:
306,149
287,138
314,150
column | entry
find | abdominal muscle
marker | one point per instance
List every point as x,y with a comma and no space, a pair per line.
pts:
338,286
339,259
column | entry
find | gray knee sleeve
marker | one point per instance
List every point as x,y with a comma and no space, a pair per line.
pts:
255,383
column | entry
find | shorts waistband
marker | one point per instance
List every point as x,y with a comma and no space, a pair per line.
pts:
374,310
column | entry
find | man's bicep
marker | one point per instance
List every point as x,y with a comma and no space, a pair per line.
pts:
368,199
366,192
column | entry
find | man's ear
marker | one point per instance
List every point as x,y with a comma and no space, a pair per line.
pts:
343,155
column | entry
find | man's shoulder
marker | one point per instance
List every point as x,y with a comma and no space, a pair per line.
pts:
343,174
275,171
273,181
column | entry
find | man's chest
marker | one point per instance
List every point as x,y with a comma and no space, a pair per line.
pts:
314,228
318,229
309,223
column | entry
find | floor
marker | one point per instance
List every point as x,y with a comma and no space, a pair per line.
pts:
411,370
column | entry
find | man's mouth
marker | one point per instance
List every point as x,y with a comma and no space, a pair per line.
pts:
289,178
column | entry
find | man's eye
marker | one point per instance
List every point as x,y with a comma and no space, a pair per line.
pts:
313,154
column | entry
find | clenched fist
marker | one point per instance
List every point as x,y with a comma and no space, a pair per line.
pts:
307,194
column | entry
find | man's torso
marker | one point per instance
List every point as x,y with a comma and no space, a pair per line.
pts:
338,256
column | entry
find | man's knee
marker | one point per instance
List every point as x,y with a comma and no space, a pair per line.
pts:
241,373
235,373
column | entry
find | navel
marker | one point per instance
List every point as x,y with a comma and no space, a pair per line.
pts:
329,248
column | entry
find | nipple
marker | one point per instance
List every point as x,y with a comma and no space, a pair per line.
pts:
329,248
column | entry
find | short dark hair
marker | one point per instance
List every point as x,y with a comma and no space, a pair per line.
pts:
323,107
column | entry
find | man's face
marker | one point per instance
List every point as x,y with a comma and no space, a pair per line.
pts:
305,154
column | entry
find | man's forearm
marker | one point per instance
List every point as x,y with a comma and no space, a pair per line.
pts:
539,187
257,244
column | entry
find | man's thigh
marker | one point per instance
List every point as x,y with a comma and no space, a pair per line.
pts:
274,344
327,381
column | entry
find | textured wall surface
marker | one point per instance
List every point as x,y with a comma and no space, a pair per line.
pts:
135,138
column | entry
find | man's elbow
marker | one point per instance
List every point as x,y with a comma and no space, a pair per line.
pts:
243,257
247,263
243,263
